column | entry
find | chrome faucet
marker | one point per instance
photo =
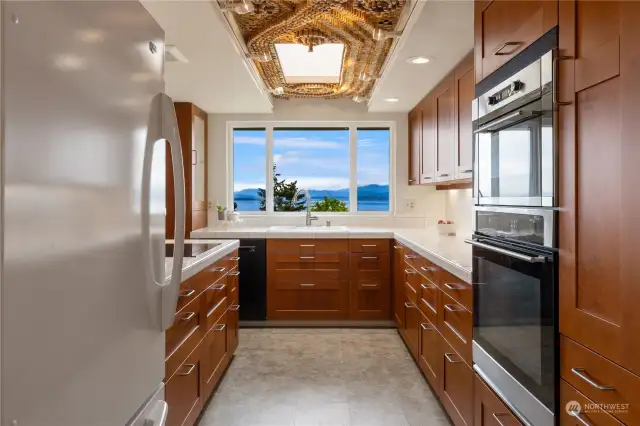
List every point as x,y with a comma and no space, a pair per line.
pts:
309,218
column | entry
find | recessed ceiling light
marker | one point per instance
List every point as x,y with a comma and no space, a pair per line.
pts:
391,100
70,62
419,60
278,91
323,65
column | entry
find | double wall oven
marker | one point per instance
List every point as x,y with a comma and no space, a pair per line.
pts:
514,246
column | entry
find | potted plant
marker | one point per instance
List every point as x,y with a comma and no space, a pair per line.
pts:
221,211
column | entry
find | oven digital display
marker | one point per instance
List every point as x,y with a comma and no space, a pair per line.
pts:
507,92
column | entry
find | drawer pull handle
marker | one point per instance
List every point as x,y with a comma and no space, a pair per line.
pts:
307,285
307,245
410,272
425,327
497,416
187,316
187,293
370,257
580,372
429,269
369,245
234,273
408,256
369,285
467,171
453,287
426,286
397,247
451,360
576,414
219,327
219,269
453,308
498,51
428,305
409,305
234,308
218,287
307,257
189,371
235,258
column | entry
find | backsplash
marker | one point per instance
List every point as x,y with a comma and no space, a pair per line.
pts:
459,209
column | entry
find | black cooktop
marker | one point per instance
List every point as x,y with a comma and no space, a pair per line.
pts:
190,250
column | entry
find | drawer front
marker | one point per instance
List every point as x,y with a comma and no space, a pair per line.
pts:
183,392
412,326
234,259
233,318
213,314
412,258
457,289
215,293
586,416
430,350
489,408
457,387
312,304
370,296
291,279
411,284
214,355
186,324
457,327
370,262
430,271
303,247
369,246
600,380
430,302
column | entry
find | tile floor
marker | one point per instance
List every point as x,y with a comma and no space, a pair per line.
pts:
329,377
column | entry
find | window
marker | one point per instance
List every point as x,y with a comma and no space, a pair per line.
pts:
345,168
249,169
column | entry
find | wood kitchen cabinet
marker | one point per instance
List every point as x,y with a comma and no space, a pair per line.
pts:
415,145
445,138
398,284
457,387
489,410
464,89
599,92
369,286
184,392
505,28
428,146
193,130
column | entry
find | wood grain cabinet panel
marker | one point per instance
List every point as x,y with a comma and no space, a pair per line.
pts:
445,136
457,387
430,357
215,355
457,289
398,283
415,142
183,336
370,292
428,146
412,326
587,416
457,327
430,302
184,393
489,410
505,28
464,81
369,246
600,91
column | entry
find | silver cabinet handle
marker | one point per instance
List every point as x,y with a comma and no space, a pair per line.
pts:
428,305
426,177
219,269
452,287
219,327
530,259
191,368
444,175
369,245
369,285
370,257
410,271
429,269
307,285
453,308
554,69
307,245
187,316
576,414
397,247
409,305
235,258
426,286
425,327
407,256
187,293
234,308
467,171
581,372
497,416
218,287
498,51
234,273
307,257
449,359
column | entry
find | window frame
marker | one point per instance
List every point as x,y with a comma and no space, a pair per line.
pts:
353,126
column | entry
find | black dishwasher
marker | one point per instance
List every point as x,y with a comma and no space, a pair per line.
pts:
253,279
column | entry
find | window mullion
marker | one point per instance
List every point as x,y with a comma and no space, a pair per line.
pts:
353,169
269,183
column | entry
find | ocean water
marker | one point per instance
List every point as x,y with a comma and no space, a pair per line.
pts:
363,205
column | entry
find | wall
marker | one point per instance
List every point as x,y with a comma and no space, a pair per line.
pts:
459,209
429,204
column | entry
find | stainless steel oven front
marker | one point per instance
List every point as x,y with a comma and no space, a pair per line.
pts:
514,149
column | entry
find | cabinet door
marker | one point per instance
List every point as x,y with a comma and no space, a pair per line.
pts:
199,161
457,387
415,140
233,315
183,392
598,222
369,292
445,138
215,357
412,317
505,28
428,156
465,93
593,417
398,284
489,410
430,353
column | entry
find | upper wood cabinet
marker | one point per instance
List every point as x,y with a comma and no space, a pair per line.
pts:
193,129
464,95
415,142
428,154
505,28
444,119
599,91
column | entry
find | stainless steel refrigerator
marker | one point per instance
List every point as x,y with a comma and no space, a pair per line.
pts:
84,300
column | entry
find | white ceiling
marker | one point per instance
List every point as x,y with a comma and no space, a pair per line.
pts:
443,31
218,79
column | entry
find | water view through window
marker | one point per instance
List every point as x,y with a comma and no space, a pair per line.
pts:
373,169
249,169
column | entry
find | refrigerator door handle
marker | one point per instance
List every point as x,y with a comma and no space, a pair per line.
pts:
163,125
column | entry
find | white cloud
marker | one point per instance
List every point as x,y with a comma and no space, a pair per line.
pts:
304,143
239,186
249,140
289,157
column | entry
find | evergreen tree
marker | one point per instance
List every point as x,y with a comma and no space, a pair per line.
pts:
283,193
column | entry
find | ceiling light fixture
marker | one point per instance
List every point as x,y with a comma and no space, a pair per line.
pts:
259,57
365,76
241,7
360,99
419,60
380,35
392,100
278,91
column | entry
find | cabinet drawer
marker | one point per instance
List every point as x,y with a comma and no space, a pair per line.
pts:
412,326
430,271
457,387
183,392
600,380
370,262
457,289
234,258
183,336
411,284
303,247
312,304
413,259
489,408
213,314
286,279
586,416
430,353
429,302
369,246
214,355
214,294
457,327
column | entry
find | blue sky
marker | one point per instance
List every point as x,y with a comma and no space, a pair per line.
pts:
317,159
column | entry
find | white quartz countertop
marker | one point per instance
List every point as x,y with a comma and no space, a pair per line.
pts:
193,265
450,253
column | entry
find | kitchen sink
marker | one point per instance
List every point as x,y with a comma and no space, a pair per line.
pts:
315,228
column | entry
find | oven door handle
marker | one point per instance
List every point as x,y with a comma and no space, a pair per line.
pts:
508,119
530,259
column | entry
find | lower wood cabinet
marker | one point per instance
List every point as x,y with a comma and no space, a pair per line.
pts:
430,353
457,387
489,410
370,293
585,413
412,318
184,392
398,284
215,355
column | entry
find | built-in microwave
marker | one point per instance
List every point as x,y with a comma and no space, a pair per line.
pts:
514,148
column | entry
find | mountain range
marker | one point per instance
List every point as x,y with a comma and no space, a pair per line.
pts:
367,192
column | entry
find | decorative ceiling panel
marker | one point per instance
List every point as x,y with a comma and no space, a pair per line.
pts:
316,22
